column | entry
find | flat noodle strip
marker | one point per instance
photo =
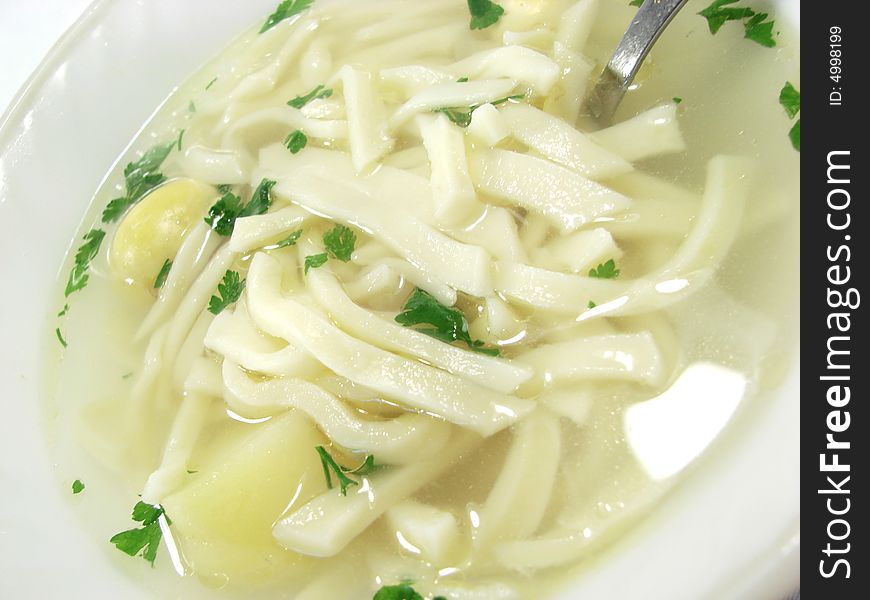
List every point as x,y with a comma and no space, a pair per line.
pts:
195,252
561,143
523,65
495,373
251,233
407,438
566,198
419,243
234,336
625,357
176,456
693,263
411,383
651,133
451,95
517,501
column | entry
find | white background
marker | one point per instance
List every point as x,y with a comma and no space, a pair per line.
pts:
28,30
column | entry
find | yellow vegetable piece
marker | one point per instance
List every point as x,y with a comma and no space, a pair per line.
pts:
152,231
222,520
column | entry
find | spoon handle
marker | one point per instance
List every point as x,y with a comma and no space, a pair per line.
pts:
648,24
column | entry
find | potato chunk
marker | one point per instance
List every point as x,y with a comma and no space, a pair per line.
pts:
223,518
152,231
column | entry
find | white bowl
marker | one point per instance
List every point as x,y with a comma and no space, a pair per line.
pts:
730,531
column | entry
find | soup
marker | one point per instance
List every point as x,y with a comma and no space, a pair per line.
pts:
374,307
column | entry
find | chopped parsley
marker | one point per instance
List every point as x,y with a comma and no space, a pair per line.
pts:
290,240
340,242
296,141
484,13
162,275
677,99
757,27
635,3
223,214
143,539
285,10
441,322
224,188
78,277
331,467
180,138
229,291
127,375
261,199
319,92
605,270
462,115
211,83
462,80
77,486
790,99
760,30
794,134
60,337
314,261
590,305
140,177
64,310
191,107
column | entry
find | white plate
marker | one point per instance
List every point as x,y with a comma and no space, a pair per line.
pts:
731,531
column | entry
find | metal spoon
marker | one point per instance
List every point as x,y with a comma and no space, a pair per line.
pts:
648,24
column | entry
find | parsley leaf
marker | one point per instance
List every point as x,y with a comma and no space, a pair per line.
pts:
590,305
340,242
329,464
636,3
285,10
223,214
794,135
402,591
296,141
447,324
60,337
606,270
78,277
790,99
290,240
717,15
261,199
162,275
484,13
64,310
140,177
759,30
314,261
225,188
77,486
677,99
319,92
146,538
229,289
